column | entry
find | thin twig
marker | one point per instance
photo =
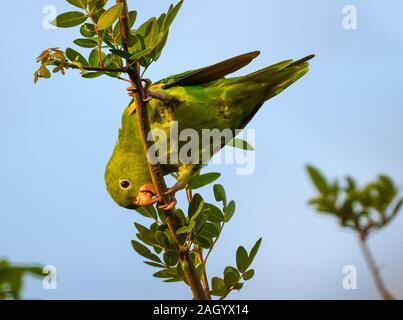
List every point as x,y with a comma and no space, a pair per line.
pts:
200,256
214,242
375,271
96,69
101,62
157,177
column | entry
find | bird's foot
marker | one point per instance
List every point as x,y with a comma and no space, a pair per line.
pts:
180,185
147,86
132,90
171,191
149,95
156,95
170,205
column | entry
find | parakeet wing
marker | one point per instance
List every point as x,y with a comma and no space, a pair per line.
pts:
208,74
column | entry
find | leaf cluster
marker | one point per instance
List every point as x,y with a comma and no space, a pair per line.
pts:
233,276
200,228
364,209
12,276
100,32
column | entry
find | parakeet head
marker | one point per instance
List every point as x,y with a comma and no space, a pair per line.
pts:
128,181
127,175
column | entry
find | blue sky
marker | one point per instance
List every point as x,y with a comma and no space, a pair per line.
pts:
344,116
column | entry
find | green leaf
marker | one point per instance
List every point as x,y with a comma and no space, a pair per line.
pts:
158,50
161,214
318,180
181,217
44,72
91,75
166,273
96,5
152,212
144,251
172,14
219,194
199,181
171,258
249,274
161,239
152,35
232,269
182,230
79,3
200,223
161,21
87,30
218,293
229,211
197,212
397,207
145,233
210,230
205,243
351,184
230,278
69,19
238,286
174,280
242,259
194,204
148,212
217,283
140,54
214,214
132,18
253,252
110,16
192,224
74,56
145,28
121,53
86,43
93,59
240,144
154,264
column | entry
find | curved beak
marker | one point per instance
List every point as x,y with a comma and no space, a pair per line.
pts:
147,196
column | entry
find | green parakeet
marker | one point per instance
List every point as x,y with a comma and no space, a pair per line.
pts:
198,99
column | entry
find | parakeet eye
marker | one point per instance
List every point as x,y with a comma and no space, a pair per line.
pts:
125,184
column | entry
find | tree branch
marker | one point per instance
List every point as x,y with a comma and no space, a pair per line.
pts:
99,40
200,256
373,268
96,69
155,170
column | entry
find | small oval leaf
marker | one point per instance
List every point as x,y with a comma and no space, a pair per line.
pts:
241,259
200,181
69,19
86,43
110,16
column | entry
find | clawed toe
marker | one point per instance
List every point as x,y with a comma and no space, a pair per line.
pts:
131,91
175,188
169,206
